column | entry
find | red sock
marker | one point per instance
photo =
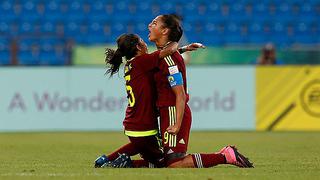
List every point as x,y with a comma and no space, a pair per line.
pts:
208,160
142,164
129,149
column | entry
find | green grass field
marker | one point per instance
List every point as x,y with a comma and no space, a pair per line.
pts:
276,155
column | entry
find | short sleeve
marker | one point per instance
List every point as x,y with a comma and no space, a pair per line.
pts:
168,66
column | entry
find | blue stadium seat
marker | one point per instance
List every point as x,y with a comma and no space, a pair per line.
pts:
215,23
74,10
305,34
101,10
235,34
73,28
142,29
28,52
259,11
118,28
4,51
123,10
256,32
214,32
145,11
4,27
5,58
29,11
52,58
99,32
284,12
49,27
28,58
7,11
26,43
29,27
14,28
52,11
237,10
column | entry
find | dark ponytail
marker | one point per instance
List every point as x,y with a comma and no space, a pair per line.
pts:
126,48
114,59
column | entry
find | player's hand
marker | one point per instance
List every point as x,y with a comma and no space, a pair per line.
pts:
173,129
194,46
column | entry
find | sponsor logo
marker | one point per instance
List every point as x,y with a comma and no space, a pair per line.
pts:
310,98
173,70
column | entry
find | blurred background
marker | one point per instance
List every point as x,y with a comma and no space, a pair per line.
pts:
52,62
72,32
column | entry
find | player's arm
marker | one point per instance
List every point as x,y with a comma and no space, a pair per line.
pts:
168,50
151,61
180,106
176,82
191,47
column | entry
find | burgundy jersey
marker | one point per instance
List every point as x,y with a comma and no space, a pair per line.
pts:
166,96
141,112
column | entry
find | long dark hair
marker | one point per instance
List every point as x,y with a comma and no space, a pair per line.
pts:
127,47
172,22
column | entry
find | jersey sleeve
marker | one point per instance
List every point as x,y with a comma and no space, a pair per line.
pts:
169,68
167,65
150,61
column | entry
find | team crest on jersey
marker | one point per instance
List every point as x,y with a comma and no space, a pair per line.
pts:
171,79
173,69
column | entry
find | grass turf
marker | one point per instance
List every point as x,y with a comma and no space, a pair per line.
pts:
276,155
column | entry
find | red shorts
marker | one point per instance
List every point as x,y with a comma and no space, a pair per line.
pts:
174,146
149,149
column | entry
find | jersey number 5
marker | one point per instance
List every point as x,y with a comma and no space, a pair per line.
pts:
131,98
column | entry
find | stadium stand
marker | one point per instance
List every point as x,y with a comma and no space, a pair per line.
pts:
225,23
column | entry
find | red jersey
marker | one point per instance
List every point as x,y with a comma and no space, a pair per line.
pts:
166,96
141,112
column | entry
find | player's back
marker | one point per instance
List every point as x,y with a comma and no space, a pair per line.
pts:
141,112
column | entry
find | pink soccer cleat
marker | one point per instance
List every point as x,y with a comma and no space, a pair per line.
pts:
235,158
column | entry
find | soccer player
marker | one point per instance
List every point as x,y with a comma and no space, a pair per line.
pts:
175,114
140,122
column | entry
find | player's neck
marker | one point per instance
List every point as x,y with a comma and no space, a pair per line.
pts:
162,42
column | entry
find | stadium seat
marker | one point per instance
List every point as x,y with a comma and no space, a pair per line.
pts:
102,10
215,23
28,58
99,32
48,27
29,11
235,34
5,58
4,27
51,58
74,11
52,11
29,27
73,29
7,11
4,51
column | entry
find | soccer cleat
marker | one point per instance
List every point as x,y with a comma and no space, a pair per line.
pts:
123,161
108,164
234,157
100,161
